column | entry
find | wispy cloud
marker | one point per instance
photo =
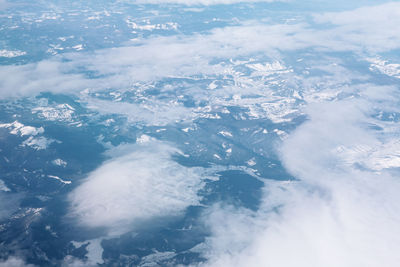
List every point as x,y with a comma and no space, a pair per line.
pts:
31,79
370,28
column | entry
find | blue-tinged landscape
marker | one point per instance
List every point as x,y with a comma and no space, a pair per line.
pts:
200,133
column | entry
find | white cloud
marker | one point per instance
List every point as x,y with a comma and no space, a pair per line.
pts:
371,28
187,56
204,2
139,183
338,214
45,76
3,4
385,13
150,112
14,262
335,215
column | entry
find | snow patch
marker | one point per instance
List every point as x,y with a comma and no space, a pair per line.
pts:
59,162
61,112
225,133
19,128
383,66
11,54
59,179
38,143
3,187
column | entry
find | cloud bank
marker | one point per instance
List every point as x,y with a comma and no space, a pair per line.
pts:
204,2
140,182
337,214
343,211
191,55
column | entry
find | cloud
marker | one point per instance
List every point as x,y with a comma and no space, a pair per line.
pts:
204,2
151,113
370,28
14,262
344,208
336,214
140,182
44,76
385,13
157,58
3,4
